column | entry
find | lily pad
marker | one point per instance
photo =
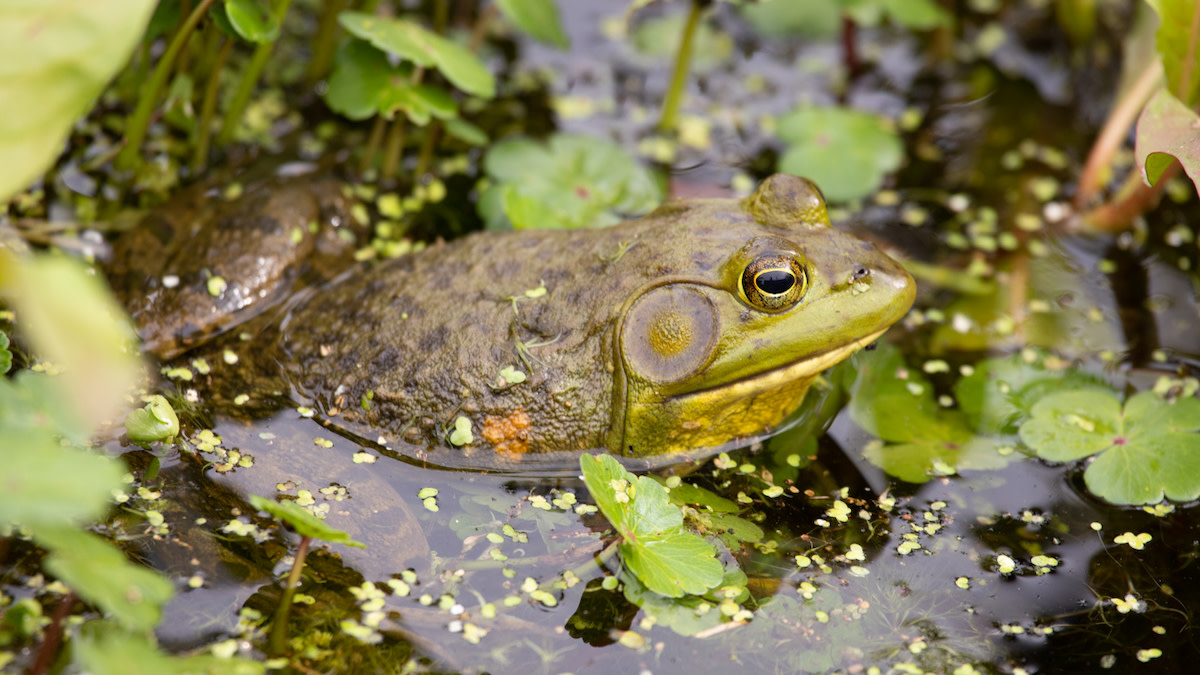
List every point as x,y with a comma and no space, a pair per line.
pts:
62,65
847,152
537,18
101,574
655,548
1149,449
411,42
568,182
1166,131
1000,393
303,522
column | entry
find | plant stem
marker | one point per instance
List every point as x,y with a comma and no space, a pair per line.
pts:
209,107
139,121
325,41
393,148
432,133
54,633
372,148
683,59
278,639
1113,134
1134,199
241,97
368,6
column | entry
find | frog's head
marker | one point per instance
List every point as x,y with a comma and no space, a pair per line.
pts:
767,297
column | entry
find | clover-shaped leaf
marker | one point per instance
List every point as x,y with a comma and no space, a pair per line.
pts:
847,152
667,559
1148,449
462,432
568,182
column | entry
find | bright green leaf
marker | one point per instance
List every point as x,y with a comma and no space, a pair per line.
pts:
45,483
686,493
919,461
465,131
845,151
5,354
652,512
303,522
361,76
411,42
674,564
55,57
252,21
102,650
1176,46
1166,131
156,421
1000,392
538,18
1149,450
420,102
101,574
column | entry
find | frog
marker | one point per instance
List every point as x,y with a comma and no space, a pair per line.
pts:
693,329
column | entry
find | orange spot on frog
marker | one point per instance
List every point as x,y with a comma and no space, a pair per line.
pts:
508,435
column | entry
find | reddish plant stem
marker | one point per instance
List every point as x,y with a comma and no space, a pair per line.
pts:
1137,198
54,633
1113,134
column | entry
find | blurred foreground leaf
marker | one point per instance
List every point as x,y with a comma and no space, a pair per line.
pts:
251,21
103,650
55,57
537,18
101,574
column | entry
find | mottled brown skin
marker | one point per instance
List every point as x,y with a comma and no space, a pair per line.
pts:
645,343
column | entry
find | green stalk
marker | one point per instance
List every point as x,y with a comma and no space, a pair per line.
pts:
683,59
277,642
241,97
393,149
325,41
368,6
432,133
209,108
139,121
367,161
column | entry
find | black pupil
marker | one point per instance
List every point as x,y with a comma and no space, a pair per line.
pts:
774,282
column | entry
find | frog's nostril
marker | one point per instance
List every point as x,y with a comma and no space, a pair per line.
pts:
860,272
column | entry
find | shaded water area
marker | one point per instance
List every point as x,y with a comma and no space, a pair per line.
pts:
995,561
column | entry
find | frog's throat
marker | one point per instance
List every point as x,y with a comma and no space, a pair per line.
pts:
715,416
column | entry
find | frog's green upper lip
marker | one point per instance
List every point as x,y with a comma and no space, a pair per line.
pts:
789,372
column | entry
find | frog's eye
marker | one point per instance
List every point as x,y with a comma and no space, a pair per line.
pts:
774,282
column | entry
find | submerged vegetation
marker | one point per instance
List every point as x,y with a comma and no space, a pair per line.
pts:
1035,418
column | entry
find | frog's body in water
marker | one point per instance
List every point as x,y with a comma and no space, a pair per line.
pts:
693,327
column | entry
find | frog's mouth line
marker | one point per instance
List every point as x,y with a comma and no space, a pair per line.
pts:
791,372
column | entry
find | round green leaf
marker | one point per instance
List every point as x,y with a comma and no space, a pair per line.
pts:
361,76
55,57
411,42
845,151
1069,425
303,522
538,18
674,565
252,21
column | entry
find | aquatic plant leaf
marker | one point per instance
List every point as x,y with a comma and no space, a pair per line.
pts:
1150,449
674,565
1166,131
155,421
303,522
537,18
361,74
683,614
688,494
660,37
1176,46
411,42
1000,392
55,57
846,152
105,650
665,558
809,19
1070,425
419,102
71,319
5,354
101,574
465,131
46,483
568,182
252,21
920,461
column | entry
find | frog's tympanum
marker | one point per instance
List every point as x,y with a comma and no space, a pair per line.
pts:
692,328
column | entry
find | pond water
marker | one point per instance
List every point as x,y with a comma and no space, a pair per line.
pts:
988,559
